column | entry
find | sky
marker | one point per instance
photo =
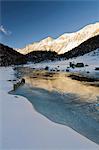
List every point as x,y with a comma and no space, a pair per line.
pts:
24,22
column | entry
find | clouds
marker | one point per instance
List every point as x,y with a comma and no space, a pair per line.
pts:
4,31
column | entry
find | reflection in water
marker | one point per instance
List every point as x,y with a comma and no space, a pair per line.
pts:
60,83
64,101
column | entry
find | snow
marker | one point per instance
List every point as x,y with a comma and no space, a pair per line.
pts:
21,127
65,42
91,59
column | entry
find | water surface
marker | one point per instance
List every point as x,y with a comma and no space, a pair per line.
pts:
63,100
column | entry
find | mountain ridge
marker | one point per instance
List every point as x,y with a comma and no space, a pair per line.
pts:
63,43
8,56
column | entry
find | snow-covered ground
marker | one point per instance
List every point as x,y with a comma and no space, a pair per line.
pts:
21,127
91,59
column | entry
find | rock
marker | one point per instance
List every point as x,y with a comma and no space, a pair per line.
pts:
23,80
67,70
16,85
88,72
97,68
79,65
86,65
58,70
46,68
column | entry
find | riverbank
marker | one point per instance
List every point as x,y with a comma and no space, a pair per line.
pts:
23,128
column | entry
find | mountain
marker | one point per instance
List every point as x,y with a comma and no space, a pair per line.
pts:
66,46
84,48
8,56
65,42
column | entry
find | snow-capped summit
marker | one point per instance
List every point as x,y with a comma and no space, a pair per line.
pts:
65,42
47,40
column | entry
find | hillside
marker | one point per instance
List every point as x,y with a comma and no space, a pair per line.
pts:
38,56
85,47
8,56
